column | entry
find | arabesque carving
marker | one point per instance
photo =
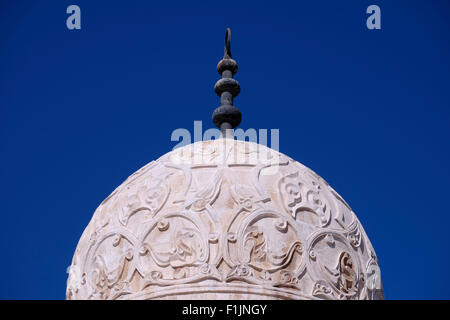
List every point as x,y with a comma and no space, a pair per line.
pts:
225,218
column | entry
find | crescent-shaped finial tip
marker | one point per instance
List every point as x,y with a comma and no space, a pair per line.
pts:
227,53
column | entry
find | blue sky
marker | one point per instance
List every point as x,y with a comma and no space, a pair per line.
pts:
82,110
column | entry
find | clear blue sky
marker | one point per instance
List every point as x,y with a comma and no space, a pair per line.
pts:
367,110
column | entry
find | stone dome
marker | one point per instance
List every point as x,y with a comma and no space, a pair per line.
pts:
224,219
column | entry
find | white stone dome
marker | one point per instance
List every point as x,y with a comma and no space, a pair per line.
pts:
224,219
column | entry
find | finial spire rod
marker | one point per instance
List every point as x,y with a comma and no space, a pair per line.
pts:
227,116
227,50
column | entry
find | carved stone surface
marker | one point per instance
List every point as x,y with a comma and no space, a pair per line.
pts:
224,219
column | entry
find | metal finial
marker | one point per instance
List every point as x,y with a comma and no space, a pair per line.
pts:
227,50
227,116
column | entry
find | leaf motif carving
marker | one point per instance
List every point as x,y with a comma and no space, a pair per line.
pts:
302,197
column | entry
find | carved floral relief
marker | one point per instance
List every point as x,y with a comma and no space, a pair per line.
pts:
213,215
